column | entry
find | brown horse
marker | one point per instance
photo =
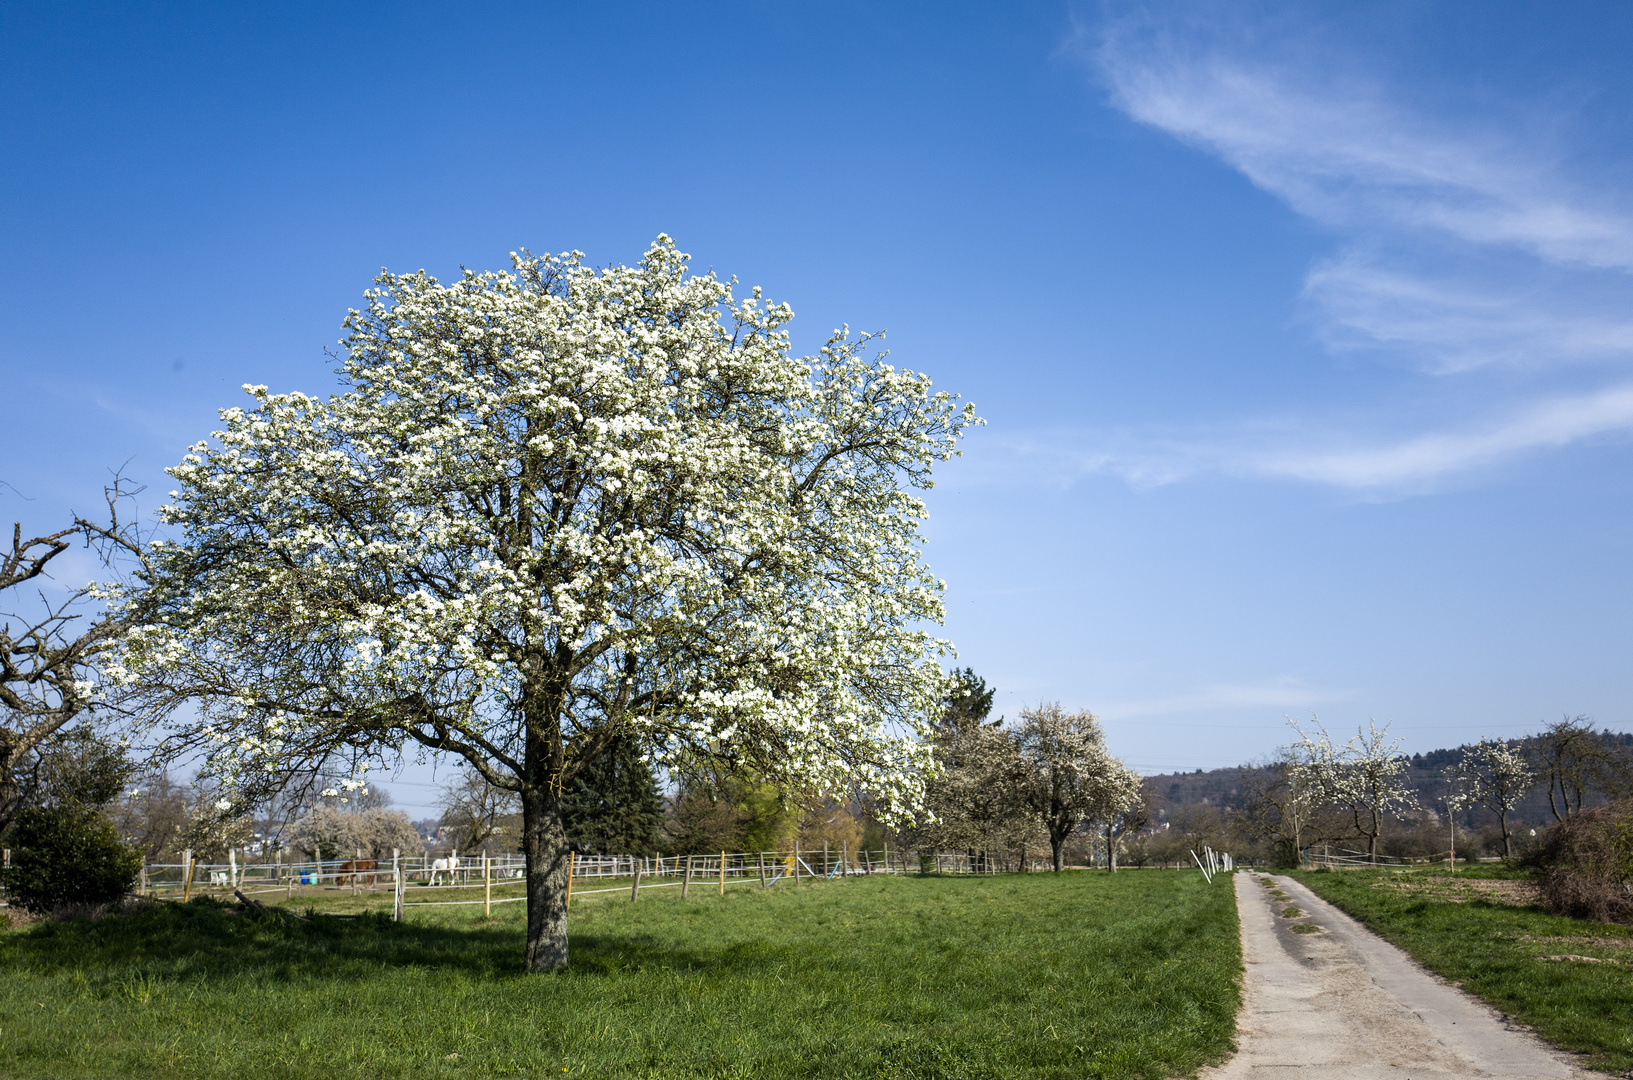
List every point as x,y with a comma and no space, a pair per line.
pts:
352,872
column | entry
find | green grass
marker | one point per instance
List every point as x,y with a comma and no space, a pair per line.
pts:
1032,975
1492,950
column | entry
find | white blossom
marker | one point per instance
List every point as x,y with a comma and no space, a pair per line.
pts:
555,502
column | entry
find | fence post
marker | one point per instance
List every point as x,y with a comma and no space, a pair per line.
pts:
686,879
635,889
796,862
487,885
762,869
187,875
141,889
844,858
722,873
232,867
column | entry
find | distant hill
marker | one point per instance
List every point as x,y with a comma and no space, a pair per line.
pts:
1222,788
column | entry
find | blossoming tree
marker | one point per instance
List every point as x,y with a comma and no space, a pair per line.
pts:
1497,777
1365,778
1074,777
553,506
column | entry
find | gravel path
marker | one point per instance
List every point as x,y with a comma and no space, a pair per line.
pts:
1345,1004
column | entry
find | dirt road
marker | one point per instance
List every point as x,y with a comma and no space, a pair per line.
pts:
1343,1004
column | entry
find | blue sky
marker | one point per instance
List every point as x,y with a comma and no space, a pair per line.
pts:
1303,334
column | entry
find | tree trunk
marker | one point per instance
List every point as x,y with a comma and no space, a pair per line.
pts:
11,792
1111,849
1059,845
544,837
544,842
1508,847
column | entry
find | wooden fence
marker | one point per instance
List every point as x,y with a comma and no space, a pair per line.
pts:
409,878
1329,858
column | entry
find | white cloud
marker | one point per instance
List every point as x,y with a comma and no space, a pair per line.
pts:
1462,245
1550,424
1453,324
1281,692
1289,452
1339,151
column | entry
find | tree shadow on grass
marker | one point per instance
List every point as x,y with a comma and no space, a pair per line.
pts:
206,939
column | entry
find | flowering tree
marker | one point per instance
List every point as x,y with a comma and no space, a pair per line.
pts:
552,507
1073,777
335,832
1123,806
1365,777
1495,775
981,796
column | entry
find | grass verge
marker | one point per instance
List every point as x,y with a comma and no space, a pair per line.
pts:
1536,967
1032,975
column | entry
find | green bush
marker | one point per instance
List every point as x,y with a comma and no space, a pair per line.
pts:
67,854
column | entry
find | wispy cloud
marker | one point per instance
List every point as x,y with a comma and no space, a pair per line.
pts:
1281,692
1342,153
1459,321
1553,423
1058,458
1462,245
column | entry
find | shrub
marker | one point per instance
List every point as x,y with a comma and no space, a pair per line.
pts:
1588,864
67,854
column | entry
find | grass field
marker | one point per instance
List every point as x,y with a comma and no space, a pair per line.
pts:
1477,929
1010,976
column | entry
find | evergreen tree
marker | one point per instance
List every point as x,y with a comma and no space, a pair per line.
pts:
612,806
966,704
65,850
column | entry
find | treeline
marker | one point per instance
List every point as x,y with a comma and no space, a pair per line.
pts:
1494,797
1006,795
1001,794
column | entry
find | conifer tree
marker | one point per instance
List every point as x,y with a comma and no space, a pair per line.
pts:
612,806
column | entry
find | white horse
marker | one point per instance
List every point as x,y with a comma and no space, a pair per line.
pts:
443,866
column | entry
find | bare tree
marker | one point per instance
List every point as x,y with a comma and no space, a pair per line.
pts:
50,655
1281,797
1496,776
477,810
1571,756
152,816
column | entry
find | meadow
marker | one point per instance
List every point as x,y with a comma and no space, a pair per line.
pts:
1480,928
1025,975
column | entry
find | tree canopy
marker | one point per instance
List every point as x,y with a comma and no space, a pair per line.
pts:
550,506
